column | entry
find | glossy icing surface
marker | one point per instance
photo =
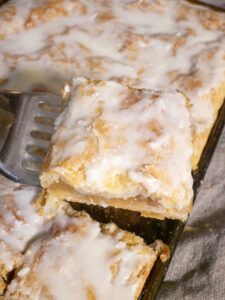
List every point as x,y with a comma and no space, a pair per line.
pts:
19,222
120,142
66,254
79,258
155,44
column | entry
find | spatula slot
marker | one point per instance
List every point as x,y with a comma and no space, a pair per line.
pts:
31,165
44,120
49,107
36,151
41,135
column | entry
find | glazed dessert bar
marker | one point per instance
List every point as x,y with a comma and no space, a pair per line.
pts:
155,44
19,223
122,147
80,257
50,255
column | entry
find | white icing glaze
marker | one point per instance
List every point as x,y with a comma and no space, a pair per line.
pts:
77,256
8,258
67,253
145,42
19,222
153,132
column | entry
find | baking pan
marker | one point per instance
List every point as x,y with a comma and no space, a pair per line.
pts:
166,230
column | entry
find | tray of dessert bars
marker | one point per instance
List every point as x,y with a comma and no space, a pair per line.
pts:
168,230
150,230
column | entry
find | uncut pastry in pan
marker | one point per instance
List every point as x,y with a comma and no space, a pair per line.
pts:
151,44
122,147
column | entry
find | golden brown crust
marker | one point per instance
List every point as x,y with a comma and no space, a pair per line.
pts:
199,139
154,209
3,278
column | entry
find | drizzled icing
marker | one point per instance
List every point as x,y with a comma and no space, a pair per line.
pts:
156,44
119,142
18,221
52,254
79,259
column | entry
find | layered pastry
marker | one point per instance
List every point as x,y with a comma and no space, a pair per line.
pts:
19,224
122,147
45,251
155,44
22,221
82,259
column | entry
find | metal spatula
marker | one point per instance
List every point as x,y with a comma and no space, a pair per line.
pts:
26,125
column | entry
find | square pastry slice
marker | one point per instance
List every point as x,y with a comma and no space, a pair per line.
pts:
82,259
122,147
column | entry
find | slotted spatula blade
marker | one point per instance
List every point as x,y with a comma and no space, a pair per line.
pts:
27,140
